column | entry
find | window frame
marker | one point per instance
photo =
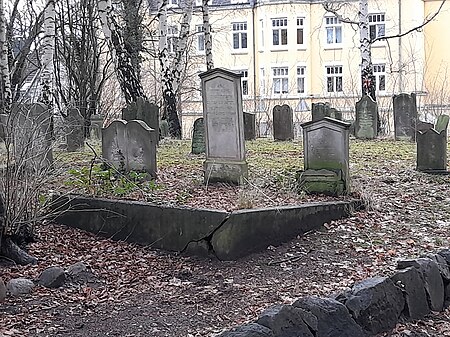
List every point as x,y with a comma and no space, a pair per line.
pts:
334,76
333,25
300,20
377,21
200,31
279,30
379,72
239,35
301,78
172,38
280,74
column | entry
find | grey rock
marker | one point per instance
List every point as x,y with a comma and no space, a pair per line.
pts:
445,253
442,266
248,330
332,317
52,277
80,273
411,283
434,285
286,321
19,286
2,290
375,304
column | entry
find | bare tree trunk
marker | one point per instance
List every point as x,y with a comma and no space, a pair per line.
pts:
367,76
5,80
129,81
208,37
48,47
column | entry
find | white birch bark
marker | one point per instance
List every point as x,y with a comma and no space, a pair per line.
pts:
182,46
4,67
208,37
48,50
367,77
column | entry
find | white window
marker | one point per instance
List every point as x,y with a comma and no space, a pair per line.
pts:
376,26
200,38
240,35
300,30
280,80
334,78
172,38
334,30
301,70
379,71
262,32
172,3
279,32
262,81
244,81
198,3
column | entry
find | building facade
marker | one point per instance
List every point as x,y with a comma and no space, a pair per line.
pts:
297,53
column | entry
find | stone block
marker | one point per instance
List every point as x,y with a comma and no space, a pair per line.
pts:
52,277
332,317
285,321
434,285
248,330
19,286
375,304
411,283
283,122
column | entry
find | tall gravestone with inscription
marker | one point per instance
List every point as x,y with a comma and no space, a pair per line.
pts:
224,127
432,147
326,165
366,118
130,146
283,122
405,116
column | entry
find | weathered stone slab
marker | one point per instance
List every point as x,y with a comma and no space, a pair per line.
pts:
249,126
75,130
283,122
432,147
405,116
224,127
320,111
434,285
375,304
130,146
442,265
198,137
52,277
249,330
366,118
285,321
96,127
411,283
332,317
326,163
423,126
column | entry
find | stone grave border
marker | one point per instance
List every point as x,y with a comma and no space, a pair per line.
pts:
372,306
204,232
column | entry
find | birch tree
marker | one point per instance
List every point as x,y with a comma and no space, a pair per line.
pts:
127,75
208,37
172,70
5,82
48,50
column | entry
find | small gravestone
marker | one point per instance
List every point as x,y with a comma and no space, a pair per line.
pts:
163,129
283,123
249,126
32,126
75,130
320,111
130,146
405,116
423,126
432,147
144,111
224,127
198,137
366,118
335,113
326,163
96,127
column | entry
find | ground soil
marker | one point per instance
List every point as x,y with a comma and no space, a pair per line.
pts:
140,291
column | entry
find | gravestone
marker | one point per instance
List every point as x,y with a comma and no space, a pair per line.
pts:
283,122
224,127
366,118
96,127
432,147
130,146
335,113
321,110
249,126
75,130
326,163
144,111
423,126
163,129
198,137
32,137
405,116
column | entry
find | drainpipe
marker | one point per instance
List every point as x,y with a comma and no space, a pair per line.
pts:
253,4
400,82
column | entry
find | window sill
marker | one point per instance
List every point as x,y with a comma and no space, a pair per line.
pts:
239,52
333,47
302,48
279,49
